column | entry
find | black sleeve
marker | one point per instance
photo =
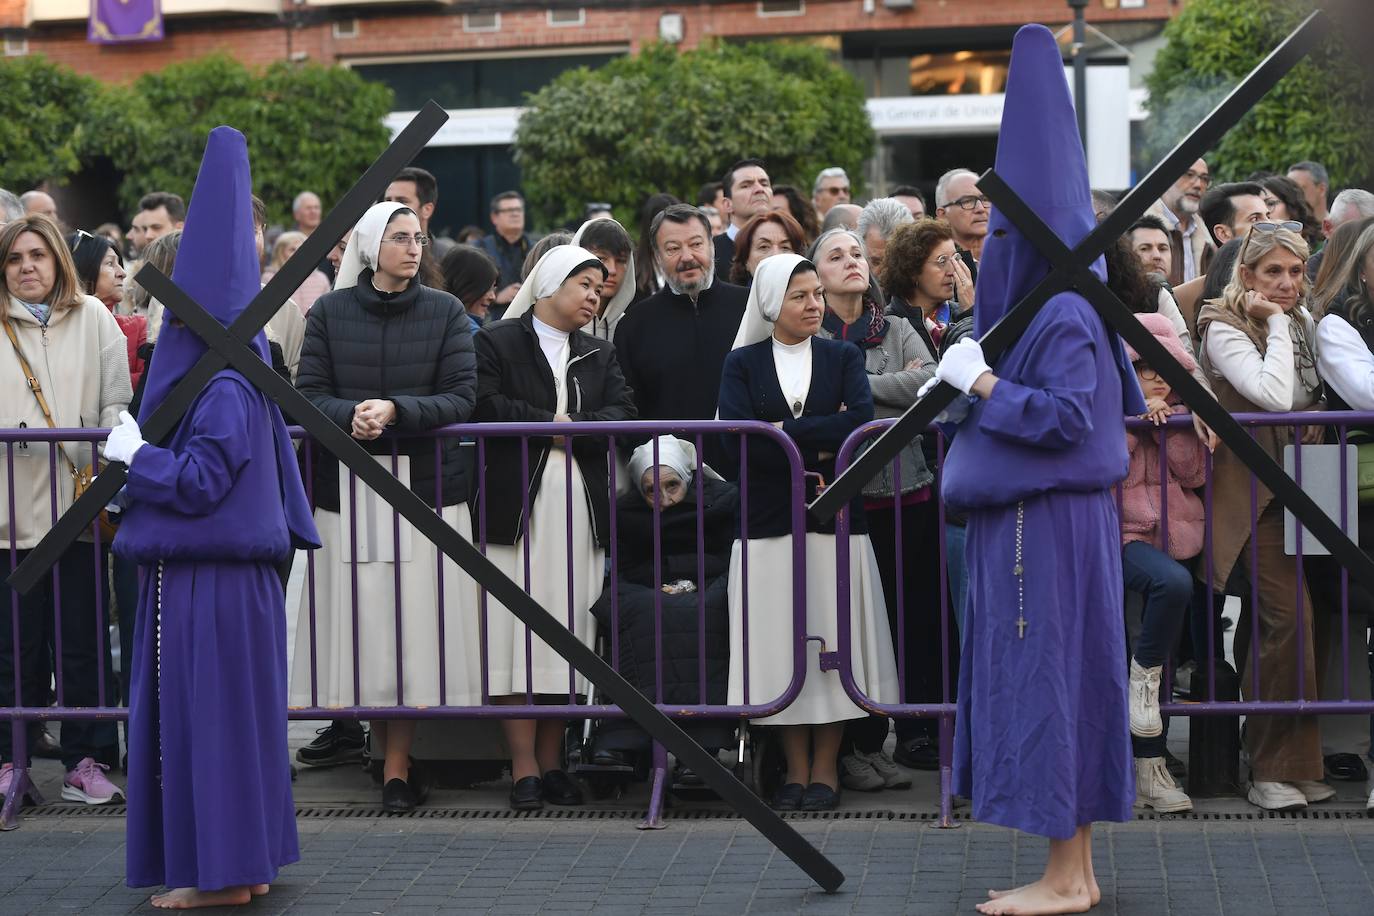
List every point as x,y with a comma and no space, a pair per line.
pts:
456,386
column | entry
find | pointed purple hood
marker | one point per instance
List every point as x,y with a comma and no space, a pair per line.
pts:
217,266
1040,155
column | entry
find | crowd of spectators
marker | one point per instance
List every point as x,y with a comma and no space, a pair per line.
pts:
812,312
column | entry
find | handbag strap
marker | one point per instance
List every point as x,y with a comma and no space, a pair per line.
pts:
36,388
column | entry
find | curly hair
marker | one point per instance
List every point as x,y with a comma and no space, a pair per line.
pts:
1127,278
908,249
744,241
1288,192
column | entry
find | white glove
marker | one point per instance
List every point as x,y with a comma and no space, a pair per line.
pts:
124,440
955,412
962,364
928,387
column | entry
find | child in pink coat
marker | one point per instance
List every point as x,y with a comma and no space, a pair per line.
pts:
1154,567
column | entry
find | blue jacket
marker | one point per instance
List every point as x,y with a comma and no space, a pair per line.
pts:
749,390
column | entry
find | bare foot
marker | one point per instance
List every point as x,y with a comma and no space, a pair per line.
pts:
1094,892
259,890
1038,899
188,898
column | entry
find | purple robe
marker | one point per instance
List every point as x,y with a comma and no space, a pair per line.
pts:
1042,736
209,783
210,518
1042,739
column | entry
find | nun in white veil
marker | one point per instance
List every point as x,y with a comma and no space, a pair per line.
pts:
365,573
544,513
816,391
608,242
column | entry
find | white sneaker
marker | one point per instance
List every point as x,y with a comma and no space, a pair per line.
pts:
1276,796
893,776
1145,720
858,774
1314,790
1155,787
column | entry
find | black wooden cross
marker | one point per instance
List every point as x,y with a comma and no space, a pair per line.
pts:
229,347
1070,270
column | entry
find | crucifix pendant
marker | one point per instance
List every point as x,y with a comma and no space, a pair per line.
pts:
1021,627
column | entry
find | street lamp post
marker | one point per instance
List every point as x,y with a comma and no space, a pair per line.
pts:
1080,68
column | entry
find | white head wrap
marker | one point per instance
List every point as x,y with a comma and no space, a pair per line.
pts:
678,454
626,293
557,264
771,277
365,243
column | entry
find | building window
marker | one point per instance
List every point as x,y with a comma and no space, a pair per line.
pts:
476,82
345,28
16,47
782,7
559,18
481,22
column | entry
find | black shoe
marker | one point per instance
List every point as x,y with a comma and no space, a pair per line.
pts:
1346,767
559,789
397,797
920,753
608,758
820,797
1177,768
788,797
338,742
527,794
46,745
686,776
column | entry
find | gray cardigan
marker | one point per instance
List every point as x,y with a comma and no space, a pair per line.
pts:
894,390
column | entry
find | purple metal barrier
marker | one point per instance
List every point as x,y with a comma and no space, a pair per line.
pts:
477,437
1301,703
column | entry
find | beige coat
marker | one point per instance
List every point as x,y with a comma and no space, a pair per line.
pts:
82,364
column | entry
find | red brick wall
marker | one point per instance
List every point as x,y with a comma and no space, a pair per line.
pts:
261,40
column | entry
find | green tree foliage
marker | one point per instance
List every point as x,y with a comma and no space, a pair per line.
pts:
665,120
1319,111
308,126
42,123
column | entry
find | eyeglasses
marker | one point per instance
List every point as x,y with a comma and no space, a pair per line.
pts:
942,261
1291,225
970,202
1203,177
407,240
1145,372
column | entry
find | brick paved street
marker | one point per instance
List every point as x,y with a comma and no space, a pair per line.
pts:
481,864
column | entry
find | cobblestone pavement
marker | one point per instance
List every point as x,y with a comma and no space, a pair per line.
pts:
481,864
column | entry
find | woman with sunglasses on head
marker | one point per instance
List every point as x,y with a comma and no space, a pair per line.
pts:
101,269
1258,348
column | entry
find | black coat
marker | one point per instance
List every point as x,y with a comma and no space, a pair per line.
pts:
515,385
750,391
680,621
413,349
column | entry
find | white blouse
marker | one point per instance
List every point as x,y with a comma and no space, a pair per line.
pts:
1271,382
1345,362
792,362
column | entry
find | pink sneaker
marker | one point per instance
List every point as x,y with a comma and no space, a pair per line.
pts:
86,782
7,781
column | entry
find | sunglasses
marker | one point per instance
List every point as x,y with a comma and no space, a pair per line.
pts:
1291,225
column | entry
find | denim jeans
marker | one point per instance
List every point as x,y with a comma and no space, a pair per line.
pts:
955,536
1167,587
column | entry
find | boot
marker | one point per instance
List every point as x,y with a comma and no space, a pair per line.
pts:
1155,788
1145,720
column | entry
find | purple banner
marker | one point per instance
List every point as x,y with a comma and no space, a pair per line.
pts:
123,21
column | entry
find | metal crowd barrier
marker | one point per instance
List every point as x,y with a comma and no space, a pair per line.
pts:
1210,701
475,440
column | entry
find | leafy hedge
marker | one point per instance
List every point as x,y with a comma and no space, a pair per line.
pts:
664,120
1319,111
308,126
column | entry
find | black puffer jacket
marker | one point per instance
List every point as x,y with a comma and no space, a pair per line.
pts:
413,349
514,385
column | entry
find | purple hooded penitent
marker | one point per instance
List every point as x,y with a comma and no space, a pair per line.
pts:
1043,743
211,517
